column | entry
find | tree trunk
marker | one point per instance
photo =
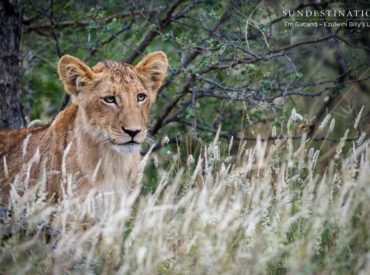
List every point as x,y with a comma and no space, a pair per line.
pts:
11,115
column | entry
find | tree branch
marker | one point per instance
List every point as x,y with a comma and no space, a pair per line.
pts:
84,23
159,122
164,22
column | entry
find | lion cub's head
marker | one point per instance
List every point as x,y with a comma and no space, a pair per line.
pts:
114,97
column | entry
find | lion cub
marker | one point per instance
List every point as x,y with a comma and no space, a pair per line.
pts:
96,140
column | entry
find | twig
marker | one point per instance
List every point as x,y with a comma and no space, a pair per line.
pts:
84,23
164,22
159,122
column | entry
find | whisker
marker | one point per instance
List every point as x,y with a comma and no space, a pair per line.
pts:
116,133
105,140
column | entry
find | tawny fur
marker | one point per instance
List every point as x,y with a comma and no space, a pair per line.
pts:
86,139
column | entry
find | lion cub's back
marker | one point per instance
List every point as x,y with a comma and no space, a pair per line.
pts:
12,139
14,153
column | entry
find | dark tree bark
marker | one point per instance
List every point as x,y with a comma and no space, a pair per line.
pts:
11,115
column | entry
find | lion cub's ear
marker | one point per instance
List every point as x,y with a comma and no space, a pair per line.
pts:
152,70
74,73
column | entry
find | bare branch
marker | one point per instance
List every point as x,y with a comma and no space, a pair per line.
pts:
159,122
164,22
84,23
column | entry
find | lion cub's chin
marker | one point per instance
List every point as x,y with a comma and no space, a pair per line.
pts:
128,148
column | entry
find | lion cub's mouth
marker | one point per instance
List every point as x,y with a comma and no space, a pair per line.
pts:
126,147
131,142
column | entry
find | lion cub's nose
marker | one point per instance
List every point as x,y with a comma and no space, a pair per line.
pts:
131,132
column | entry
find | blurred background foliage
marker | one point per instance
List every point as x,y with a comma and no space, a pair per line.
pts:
233,64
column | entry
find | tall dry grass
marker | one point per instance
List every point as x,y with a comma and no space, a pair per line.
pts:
264,210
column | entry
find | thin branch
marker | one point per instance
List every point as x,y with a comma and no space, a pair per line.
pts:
307,42
85,23
52,30
164,22
100,44
163,117
190,57
159,122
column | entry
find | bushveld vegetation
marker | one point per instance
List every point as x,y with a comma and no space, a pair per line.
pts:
259,162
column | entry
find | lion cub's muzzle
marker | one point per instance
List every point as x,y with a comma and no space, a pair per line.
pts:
129,140
131,132
128,136
133,135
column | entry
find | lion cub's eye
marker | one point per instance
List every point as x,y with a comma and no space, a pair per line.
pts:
110,99
141,97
